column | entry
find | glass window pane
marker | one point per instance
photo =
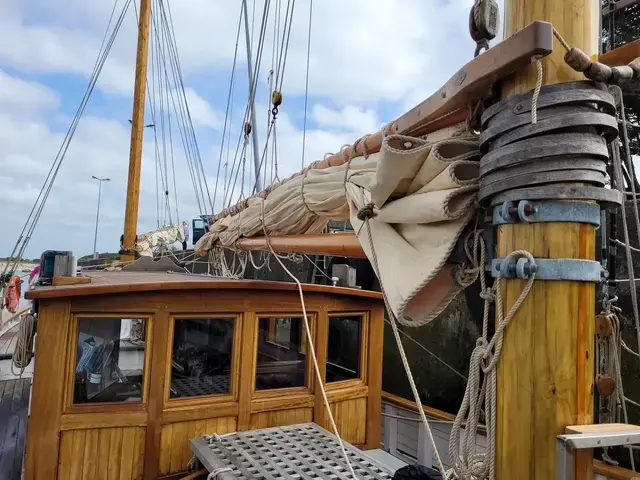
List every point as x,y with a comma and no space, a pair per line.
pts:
201,357
343,352
281,353
110,360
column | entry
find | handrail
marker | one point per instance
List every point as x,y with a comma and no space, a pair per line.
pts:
613,472
410,405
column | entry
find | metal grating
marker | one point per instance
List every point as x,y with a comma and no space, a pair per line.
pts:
204,385
304,451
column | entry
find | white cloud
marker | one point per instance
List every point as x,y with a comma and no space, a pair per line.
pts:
350,117
17,94
201,112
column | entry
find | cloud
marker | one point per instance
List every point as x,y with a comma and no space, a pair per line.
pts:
350,117
201,112
17,94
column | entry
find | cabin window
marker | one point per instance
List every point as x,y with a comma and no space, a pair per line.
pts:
202,355
282,353
110,360
344,348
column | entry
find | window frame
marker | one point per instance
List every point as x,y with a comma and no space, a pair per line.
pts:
236,346
362,379
309,371
72,344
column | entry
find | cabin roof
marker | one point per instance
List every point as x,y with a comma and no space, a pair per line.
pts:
126,282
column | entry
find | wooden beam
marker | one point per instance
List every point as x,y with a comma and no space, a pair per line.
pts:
546,370
622,55
333,244
137,133
613,472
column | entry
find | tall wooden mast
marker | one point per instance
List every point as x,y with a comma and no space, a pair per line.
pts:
137,133
546,371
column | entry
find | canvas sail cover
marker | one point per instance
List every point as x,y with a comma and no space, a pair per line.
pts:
165,236
419,195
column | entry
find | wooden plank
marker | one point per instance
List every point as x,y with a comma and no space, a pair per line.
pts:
104,445
321,345
179,435
48,387
248,362
75,421
90,467
60,281
200,412
129,282
622,55
138,453
374,377
77,458
613,472
66,456
115,452
22,429
128,449
165,450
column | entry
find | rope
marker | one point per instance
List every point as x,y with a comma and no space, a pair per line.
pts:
536,92
214,473
483,365
312,350
23,352
306,86
562,41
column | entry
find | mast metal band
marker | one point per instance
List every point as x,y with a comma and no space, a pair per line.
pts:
570,269
546,211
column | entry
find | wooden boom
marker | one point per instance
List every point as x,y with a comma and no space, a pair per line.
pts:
332,244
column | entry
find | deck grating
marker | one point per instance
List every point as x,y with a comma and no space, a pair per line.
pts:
304,451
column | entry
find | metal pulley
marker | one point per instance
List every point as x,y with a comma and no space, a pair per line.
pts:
604,324
483,23
247,131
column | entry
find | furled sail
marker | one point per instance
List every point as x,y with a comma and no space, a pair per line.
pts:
417,194
165,236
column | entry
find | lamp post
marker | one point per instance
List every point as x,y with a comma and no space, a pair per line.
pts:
95,237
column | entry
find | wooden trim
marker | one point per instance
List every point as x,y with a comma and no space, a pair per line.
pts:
247,369
77,421
169,403
348,393
322,334
411,405
43,431
199,412
72,347
374,402
130,282
301,400
612,471
154,427
622,55
309,371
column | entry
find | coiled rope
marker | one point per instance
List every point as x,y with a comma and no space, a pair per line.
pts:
23,352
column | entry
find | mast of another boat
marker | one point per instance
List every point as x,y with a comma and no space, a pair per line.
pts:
127,252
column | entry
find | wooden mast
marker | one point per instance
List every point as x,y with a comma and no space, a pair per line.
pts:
137,134
545,374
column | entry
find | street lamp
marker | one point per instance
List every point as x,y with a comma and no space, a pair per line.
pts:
95,237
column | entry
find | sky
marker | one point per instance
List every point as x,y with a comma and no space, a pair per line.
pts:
369,62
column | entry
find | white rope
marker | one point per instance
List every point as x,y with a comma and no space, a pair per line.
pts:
536,92
23,352
216,471
312,350
482,384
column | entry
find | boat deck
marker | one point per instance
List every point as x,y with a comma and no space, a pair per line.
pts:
8,342
14,405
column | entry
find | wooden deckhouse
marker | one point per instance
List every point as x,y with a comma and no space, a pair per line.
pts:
209,355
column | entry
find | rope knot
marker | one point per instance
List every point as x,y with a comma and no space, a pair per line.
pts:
488,295
366,212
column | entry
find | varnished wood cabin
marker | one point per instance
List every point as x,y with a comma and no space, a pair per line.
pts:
132,365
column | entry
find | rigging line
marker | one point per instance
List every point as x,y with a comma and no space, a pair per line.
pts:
180,76
306,87
402,332
286,50
279,64
43,195
258,63
190,149
226,115
180,116
622,244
